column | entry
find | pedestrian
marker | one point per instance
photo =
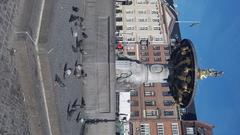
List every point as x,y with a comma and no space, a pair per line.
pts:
71,31
82,51
75,104
81,19
78,42
77,70
70,111
12,51
78,117
75,9
83,74
74,49
83,104
59,81
84,35
67,71
73,18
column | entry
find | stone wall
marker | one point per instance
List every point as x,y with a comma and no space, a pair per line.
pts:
13,119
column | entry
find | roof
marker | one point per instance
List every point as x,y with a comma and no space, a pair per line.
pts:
176,27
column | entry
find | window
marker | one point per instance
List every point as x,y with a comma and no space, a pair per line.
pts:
142,19
149,93
150,103
143,47
148,84
164,84
130,39
168,113
120,38
142,2
153,1
129,11
131,53
142,12
168,102
143,39
144,59
130,47
134,93
118,19
129,19
156,28
166,93
201,131
130,27
144,53
166,54
135,114
154,12
157,59
157,53
190,130
155,20
156,47
134,103
143,28
119,28
158,39
149,113
175,129
127,3
167,58
145,129
167,48
118,11
160,129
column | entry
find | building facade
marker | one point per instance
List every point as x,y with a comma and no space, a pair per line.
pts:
144,20
196,128
157,127
144,29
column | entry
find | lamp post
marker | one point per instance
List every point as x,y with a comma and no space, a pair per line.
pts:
28,35
192,23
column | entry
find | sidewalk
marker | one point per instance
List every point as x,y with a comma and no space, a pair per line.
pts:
27,66
13,115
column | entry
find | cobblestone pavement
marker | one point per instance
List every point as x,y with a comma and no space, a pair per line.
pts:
13,119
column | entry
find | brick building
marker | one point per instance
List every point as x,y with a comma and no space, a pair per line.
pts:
196,128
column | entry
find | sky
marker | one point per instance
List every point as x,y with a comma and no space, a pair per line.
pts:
217,43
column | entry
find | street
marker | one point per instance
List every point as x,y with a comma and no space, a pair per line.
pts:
97,92
70,33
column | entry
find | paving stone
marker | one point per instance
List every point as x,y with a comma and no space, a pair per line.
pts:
13,119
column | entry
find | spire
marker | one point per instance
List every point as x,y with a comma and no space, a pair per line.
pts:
205,73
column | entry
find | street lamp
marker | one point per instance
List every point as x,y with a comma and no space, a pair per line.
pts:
192,23
28,35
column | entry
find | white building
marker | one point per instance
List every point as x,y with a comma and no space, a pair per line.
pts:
124,110
144,20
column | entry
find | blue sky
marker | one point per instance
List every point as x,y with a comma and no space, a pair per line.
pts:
217,41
